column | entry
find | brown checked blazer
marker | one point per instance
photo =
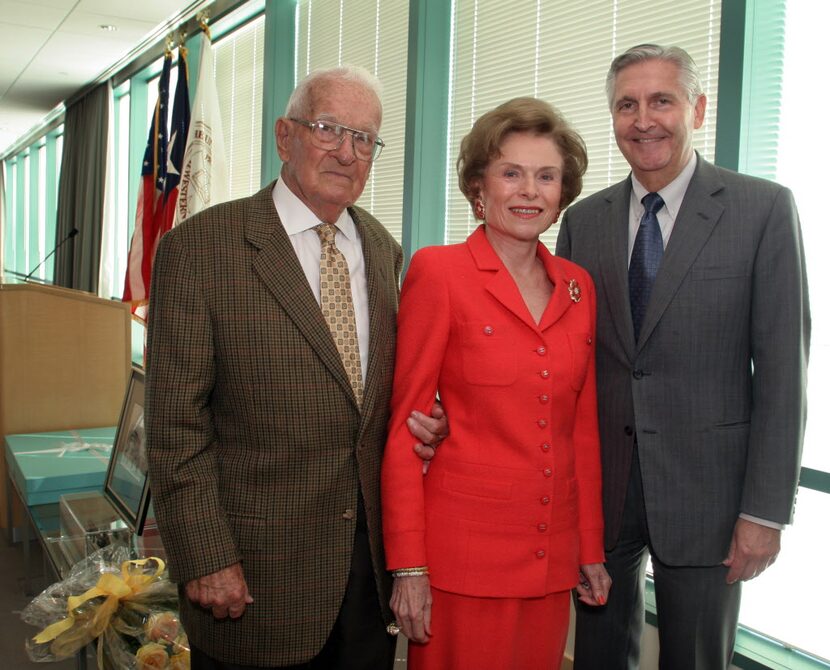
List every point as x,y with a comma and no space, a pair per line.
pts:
257,447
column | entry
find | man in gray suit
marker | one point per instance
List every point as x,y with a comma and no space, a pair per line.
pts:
703,330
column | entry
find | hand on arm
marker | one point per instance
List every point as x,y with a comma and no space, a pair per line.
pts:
429,431
594,584
753,549
412,604
224,592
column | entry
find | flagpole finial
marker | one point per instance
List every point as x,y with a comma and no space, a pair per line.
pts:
203,17
169,45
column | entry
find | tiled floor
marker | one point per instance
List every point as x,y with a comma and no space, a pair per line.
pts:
13,631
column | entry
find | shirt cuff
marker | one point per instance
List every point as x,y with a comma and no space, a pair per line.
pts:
762,522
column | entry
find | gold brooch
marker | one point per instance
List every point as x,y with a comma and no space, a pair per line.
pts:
574,290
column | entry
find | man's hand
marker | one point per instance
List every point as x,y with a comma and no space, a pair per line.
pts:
428,430
753,549
225,592
594,584
412,604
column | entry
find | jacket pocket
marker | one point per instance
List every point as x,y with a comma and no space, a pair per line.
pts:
480,488
488,354
581,352
739,424
713,272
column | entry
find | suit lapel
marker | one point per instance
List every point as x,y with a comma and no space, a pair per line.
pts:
500,283
560,300
377,270
280,270
698,216
502,286
613,262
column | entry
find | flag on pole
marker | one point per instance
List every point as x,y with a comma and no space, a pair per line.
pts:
150,191
204,176
179,126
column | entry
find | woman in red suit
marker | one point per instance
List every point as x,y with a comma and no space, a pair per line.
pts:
486,546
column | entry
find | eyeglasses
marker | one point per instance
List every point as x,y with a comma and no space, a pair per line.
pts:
329,136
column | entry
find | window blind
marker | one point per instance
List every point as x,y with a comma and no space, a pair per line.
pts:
762,89
374,35
238,67
561,54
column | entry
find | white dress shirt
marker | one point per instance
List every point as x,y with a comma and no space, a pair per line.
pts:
299,222
672,198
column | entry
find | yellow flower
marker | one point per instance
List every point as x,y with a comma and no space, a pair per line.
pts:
151,656
180,661
162,627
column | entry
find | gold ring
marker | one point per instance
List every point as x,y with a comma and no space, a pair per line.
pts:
393,628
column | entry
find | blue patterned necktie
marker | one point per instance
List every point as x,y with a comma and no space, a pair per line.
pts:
645,260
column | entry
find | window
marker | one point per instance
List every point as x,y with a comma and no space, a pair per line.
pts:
10,222
115,239
31,183
238,66
781,143
562,55
24,247
374,35
122,186
38,248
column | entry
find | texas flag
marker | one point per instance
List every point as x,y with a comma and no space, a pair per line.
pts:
179,126
150,201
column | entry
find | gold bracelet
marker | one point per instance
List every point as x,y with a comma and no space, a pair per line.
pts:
419,571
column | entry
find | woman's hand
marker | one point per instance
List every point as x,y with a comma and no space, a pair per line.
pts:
412,604
594,584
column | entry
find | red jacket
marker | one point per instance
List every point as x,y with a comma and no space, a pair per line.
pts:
510,506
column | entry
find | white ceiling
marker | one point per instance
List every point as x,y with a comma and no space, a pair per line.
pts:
49,49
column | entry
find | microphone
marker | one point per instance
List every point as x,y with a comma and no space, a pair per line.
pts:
72,233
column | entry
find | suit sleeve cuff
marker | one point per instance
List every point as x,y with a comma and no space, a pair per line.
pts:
591,547
404,549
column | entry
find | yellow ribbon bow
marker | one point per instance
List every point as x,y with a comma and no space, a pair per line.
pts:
133,579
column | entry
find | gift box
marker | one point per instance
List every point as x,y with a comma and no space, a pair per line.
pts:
43,466
88,523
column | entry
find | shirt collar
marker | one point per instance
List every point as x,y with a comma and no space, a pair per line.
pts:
672,193
296,217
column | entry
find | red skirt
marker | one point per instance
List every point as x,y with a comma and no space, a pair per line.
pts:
494,633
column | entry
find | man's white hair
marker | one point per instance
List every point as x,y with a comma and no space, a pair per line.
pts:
688,74
302,99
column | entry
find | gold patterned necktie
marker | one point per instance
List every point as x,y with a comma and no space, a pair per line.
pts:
337,307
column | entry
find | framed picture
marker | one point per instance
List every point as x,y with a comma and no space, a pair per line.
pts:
127,485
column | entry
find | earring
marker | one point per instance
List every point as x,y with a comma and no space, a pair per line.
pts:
478,209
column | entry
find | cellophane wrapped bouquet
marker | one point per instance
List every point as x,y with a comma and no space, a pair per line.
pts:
128,605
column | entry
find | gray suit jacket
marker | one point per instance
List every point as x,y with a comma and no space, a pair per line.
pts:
257,447
714,391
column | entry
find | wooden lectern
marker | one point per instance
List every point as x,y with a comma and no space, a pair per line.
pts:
64,362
